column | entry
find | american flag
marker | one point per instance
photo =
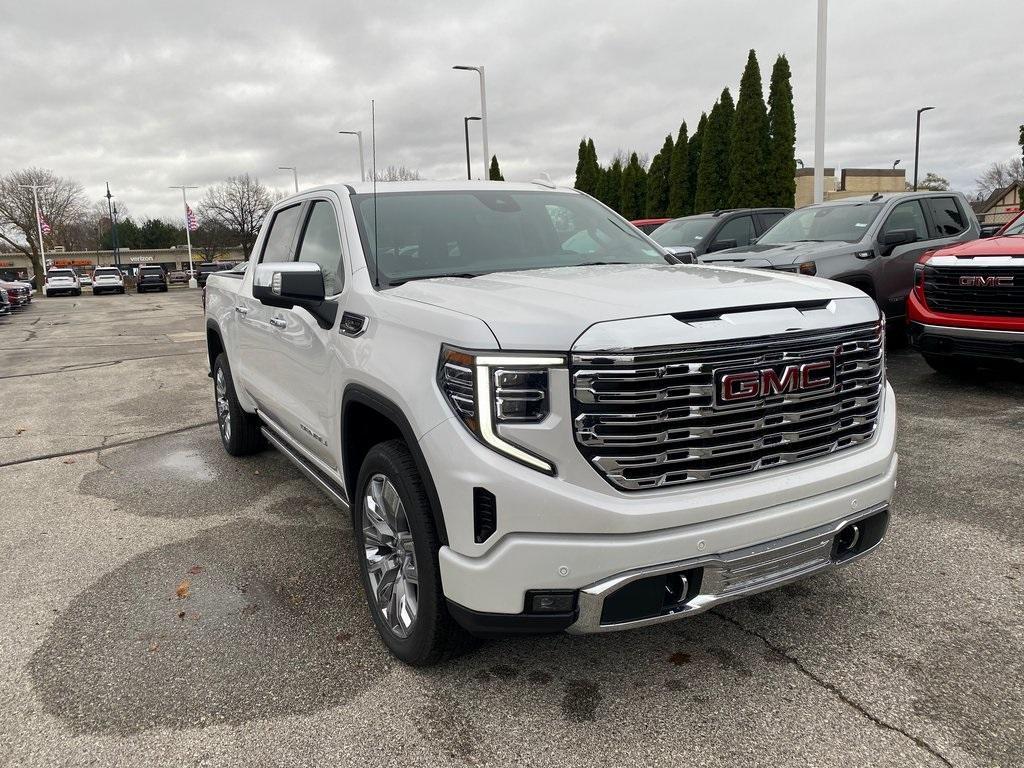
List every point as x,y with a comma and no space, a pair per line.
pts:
190,217
43,224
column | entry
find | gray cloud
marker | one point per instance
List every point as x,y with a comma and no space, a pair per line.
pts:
146,95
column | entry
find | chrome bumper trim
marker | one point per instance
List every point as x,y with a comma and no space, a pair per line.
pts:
728,576
971,333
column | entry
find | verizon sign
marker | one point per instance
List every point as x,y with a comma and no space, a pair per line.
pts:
139,259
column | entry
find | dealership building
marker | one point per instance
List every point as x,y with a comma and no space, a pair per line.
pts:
171,259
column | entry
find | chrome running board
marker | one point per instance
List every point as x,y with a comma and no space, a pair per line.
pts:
336,494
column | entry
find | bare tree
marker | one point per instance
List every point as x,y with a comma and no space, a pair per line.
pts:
397,173
238,204
61,201
999,175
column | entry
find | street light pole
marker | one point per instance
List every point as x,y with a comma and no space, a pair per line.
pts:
362,167
917,142
192,282
483,113
465,122
819,104
295,175
39,223
113,228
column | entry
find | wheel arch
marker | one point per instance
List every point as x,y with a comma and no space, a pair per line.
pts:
214,342
368,418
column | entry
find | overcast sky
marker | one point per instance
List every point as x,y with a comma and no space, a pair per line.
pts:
148,94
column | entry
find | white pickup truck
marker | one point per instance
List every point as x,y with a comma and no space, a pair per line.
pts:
538,420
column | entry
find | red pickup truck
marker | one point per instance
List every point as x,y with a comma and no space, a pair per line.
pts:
967,306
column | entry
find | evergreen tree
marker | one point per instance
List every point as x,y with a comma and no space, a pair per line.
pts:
634,188
593,168
693,161
611,193
679,176
658,181
581,167
495,172
748,153
713,174
782,144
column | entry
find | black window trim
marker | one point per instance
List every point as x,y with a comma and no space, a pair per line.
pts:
307,214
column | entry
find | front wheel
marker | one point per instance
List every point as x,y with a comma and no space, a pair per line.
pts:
239,430
949,365
396,545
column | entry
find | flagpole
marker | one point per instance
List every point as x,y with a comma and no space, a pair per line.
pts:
39,226
192,282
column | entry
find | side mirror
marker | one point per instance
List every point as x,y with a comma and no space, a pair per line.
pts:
294,284
896,237
684,253
721,245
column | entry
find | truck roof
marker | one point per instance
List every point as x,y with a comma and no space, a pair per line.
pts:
366,187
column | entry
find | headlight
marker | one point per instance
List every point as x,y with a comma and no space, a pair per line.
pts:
804,268
487,389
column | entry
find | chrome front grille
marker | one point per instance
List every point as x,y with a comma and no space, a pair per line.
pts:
647,418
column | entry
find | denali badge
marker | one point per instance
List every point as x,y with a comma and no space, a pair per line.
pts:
738,385
986,281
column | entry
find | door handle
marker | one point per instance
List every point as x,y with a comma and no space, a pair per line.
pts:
243,311
278,322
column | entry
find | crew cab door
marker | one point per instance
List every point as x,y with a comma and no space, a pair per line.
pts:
256,335
304,364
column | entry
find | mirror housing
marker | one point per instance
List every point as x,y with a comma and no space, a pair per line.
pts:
894,237
721,245
291,284
684,253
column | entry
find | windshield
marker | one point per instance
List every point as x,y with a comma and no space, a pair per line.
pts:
60,273
470,233
1017,228
106,273
152,271
688,232
827,223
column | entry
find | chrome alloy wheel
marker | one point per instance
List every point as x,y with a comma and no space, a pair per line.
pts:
223,407
390,559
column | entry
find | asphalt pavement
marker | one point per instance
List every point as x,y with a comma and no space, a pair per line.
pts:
165,604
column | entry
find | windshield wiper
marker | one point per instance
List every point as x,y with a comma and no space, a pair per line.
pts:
402,281
808,241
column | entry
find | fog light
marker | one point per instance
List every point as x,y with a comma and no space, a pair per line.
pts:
550,602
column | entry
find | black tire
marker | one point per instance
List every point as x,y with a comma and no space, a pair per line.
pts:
164,289
952,366
239,430
78,292
122,291
434,635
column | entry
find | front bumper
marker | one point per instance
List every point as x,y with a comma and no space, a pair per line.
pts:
554,535
967,342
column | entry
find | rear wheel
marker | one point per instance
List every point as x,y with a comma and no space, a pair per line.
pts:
396,545
239,430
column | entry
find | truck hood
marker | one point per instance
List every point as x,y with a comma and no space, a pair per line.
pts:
776,255
548,309
1007,245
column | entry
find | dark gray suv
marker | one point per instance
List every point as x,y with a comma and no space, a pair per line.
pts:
692,236
870,242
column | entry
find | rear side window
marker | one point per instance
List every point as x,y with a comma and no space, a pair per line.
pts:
908,215
947,216
321,244
769,220
278,245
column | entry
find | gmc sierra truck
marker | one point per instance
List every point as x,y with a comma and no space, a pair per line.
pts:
967,306
538,420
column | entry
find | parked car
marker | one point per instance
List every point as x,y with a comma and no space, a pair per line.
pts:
868,242
690,237
151,279
18,293
648,225
84,278
62,280
5,303
208,268
107,280
1014,224
967,306
540,420
177,277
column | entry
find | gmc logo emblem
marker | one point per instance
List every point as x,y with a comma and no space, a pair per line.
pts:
738,386
980,281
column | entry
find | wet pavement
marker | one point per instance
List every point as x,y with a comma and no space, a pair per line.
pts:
165,604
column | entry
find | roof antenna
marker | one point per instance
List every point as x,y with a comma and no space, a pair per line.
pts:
373,149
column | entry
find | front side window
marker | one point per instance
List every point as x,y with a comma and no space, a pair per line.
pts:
278,245
949,219
740,229
321,244
847,222
907,215
418,235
